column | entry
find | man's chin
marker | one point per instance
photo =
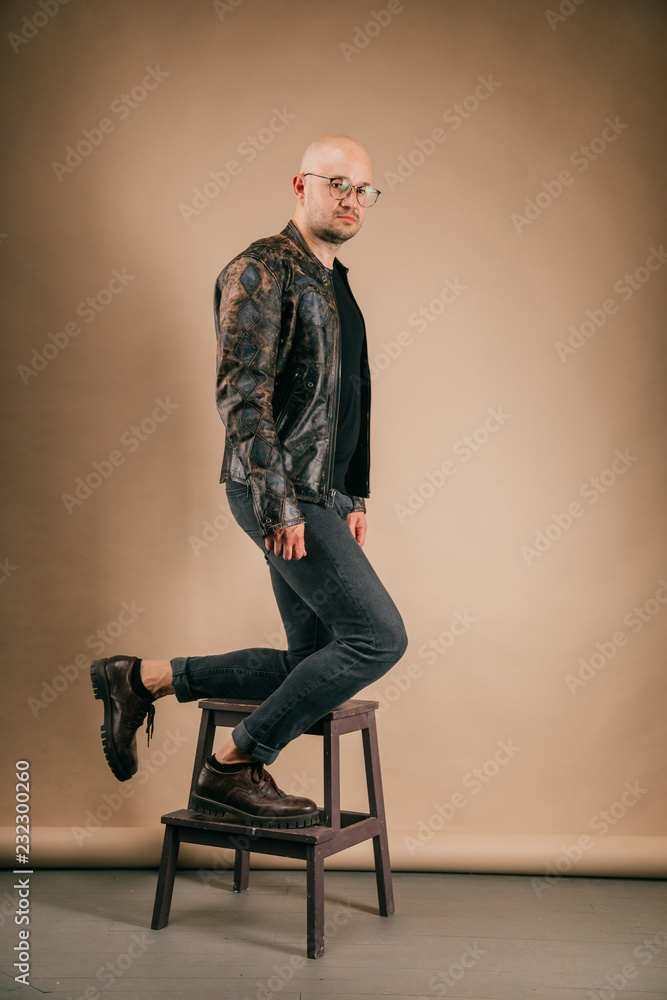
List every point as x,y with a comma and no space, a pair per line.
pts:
345,230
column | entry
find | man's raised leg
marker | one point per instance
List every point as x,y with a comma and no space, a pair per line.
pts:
230,781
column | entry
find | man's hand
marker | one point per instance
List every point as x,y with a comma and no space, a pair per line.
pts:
357,523
287,542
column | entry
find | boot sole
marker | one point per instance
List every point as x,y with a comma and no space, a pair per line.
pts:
100,684
218,809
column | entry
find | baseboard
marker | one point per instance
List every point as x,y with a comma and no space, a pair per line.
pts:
545,856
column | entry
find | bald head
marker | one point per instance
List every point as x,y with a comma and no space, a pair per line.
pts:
325,221
329,154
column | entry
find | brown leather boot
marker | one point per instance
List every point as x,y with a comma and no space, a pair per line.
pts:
252,795
124,712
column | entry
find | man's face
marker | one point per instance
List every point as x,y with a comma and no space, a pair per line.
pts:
329,219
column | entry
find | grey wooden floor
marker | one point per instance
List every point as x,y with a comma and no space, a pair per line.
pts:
489,937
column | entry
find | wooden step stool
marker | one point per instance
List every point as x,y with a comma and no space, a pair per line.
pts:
335,830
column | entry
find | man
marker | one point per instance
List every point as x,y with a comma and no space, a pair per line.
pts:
293,390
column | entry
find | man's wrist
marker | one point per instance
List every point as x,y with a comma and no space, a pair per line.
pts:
285,524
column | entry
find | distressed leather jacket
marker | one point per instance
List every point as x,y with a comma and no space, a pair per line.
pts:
278,379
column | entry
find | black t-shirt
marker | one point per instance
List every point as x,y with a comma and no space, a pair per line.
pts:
351,343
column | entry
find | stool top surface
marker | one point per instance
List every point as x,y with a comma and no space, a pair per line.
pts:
346,708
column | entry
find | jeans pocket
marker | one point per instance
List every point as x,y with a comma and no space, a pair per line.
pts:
241,505
235,489
343,504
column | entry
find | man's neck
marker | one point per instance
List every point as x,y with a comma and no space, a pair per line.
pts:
325,252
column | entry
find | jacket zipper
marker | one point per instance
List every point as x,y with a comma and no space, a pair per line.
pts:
367,442
329,486
329,492
368,411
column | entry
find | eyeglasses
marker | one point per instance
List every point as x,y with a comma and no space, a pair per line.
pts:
340,187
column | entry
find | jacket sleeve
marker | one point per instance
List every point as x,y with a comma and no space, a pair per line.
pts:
248,307
358,503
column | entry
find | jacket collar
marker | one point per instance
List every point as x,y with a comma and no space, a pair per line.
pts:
293,233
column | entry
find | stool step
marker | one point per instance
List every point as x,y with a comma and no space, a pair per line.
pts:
352,823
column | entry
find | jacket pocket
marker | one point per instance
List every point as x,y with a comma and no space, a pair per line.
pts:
296,378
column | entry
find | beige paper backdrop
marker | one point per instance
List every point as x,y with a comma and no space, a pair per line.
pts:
512,278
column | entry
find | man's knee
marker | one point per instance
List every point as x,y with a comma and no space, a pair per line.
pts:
391,643
400,641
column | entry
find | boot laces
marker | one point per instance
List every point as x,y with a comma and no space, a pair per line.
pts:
149,715
262,776
150,723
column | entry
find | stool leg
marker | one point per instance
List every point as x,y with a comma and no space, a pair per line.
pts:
241,869
376,806
165,881
315,901
331,736
383,873
204,743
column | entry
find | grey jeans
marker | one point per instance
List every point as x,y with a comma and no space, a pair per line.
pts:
343,632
